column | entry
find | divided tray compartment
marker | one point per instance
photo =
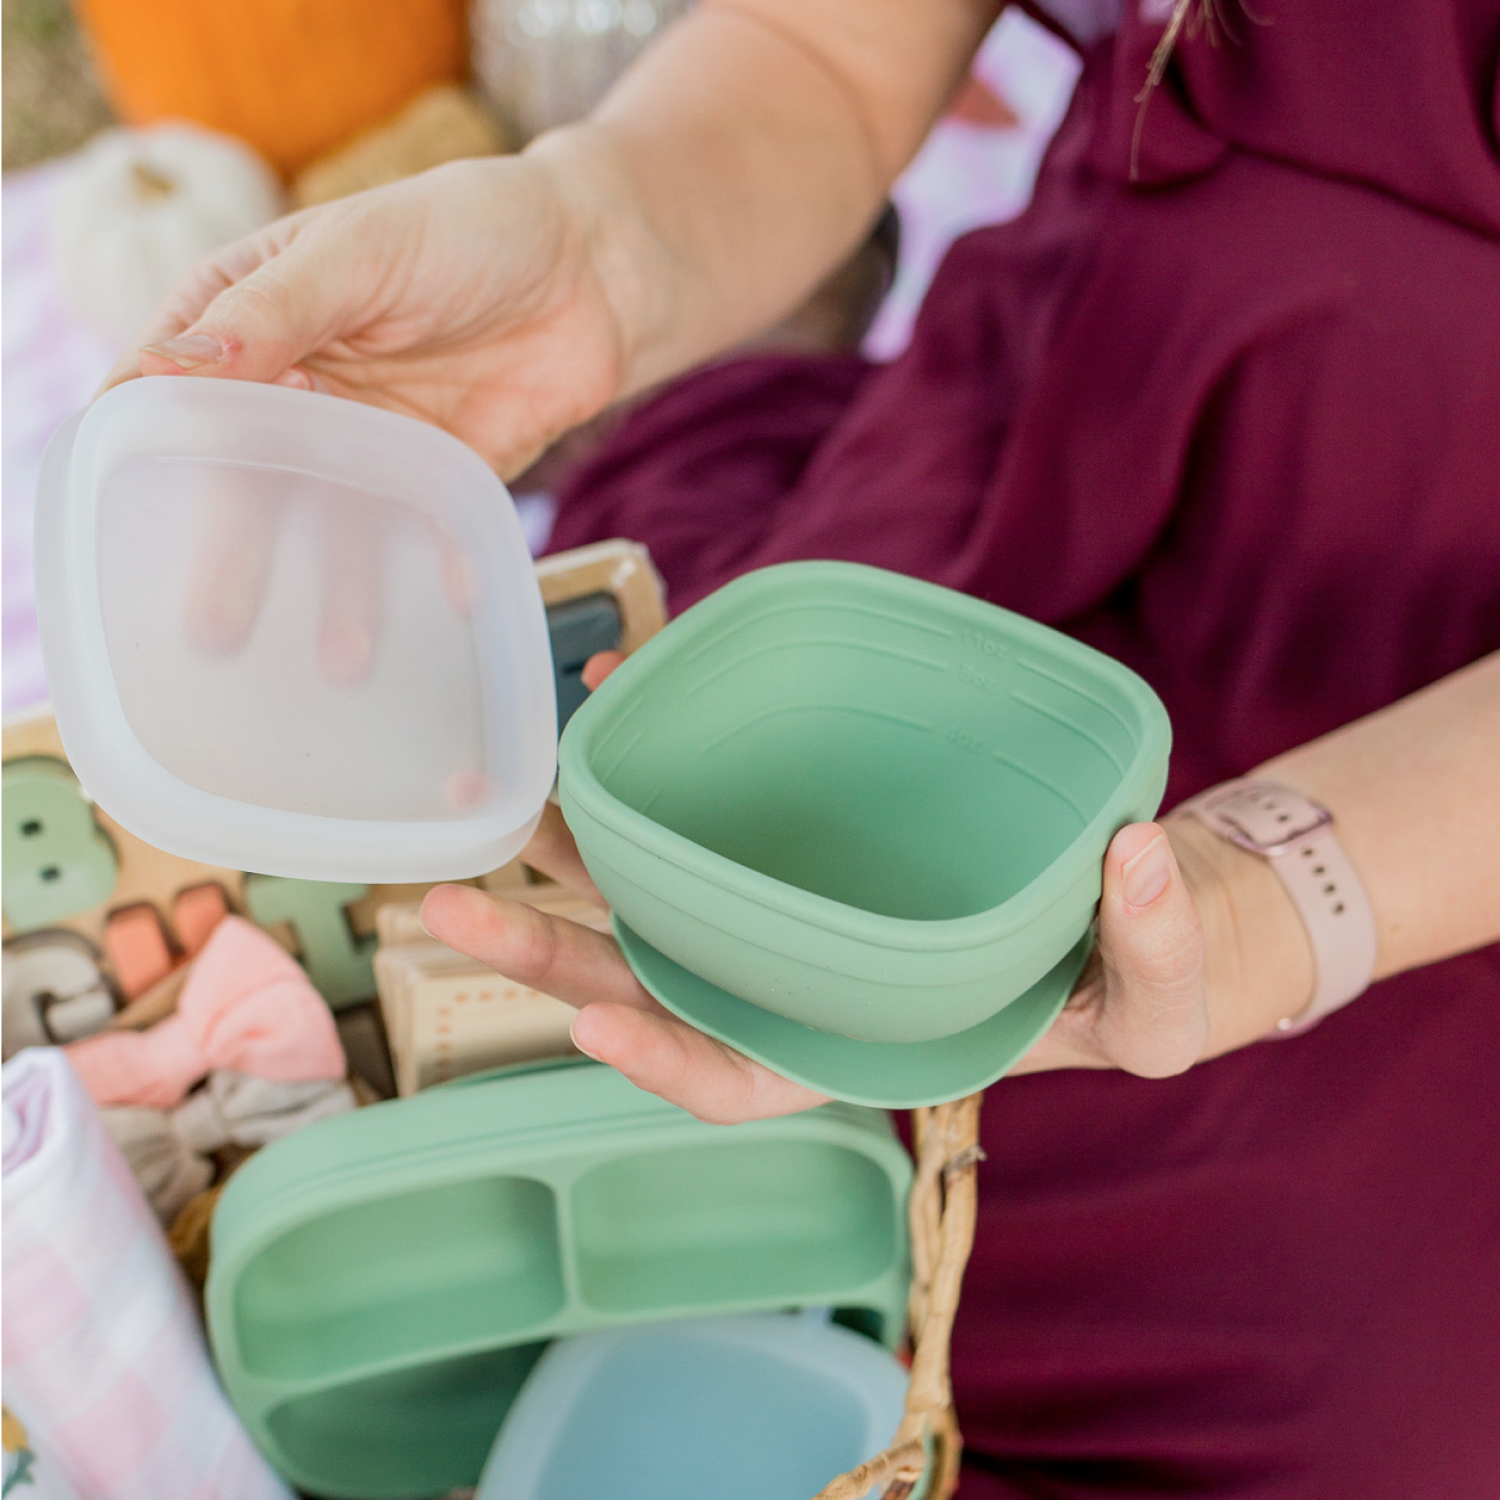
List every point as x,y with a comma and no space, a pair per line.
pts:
867,804
381,1283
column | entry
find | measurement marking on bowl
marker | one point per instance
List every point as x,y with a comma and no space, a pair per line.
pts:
1102,746
1044,783
1073,688
985,643
977,679
912,622
966,741
884,615
621,753
820,704
625,715
802,643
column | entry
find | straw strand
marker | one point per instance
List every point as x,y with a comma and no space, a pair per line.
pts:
943,1209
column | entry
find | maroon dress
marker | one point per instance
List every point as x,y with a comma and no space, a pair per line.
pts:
1235,420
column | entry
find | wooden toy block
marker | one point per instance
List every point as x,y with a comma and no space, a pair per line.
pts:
447,1015
54,991
337,960
579,629
507,878
195,914
138,950
398,924
57,861
362,913
601,598
138,871
159,1002
401,922
362,1032
620,569
457,1017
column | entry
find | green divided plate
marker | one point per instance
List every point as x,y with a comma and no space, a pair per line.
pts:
381,1283
891,1075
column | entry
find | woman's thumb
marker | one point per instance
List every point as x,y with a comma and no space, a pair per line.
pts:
1154,1021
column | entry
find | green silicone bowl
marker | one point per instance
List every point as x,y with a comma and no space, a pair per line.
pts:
865,803
382,1283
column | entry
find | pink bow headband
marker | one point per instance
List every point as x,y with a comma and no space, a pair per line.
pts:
246,1006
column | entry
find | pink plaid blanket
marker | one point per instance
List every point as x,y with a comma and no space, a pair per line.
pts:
105,1364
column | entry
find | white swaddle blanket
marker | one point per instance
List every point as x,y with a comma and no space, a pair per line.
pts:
104,1358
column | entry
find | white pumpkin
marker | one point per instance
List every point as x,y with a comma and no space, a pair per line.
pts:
136,209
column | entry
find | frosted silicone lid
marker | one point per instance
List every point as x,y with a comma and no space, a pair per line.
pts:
293,634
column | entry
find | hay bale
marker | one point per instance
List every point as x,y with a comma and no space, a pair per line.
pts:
443,124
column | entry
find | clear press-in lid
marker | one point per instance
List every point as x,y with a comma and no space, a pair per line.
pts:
293,634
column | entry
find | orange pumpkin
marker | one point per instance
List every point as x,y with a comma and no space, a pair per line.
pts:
294,78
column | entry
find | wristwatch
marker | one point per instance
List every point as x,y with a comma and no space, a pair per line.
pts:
1295,836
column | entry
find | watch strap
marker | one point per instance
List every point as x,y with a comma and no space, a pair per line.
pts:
1295,836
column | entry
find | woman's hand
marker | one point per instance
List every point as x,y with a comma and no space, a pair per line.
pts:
1168,940
1142,1006
1199,951
617,1021
507,299
471,296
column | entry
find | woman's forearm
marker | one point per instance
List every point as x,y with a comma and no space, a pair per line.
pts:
746,153
1415,794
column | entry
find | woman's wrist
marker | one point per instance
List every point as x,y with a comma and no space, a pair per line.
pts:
613,244
1258,961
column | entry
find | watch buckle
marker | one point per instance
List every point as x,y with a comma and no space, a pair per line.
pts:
1237,833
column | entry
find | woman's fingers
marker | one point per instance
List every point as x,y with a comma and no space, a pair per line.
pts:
618,1021
188,301
233,553
353,544
664,1056
1154,1018
553,851
257,308
599,666
256,329
534,948
1142,1005
180,311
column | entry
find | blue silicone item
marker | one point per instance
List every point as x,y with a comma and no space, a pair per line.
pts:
756,1408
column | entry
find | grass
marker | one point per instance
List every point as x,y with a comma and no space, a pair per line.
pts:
51,102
